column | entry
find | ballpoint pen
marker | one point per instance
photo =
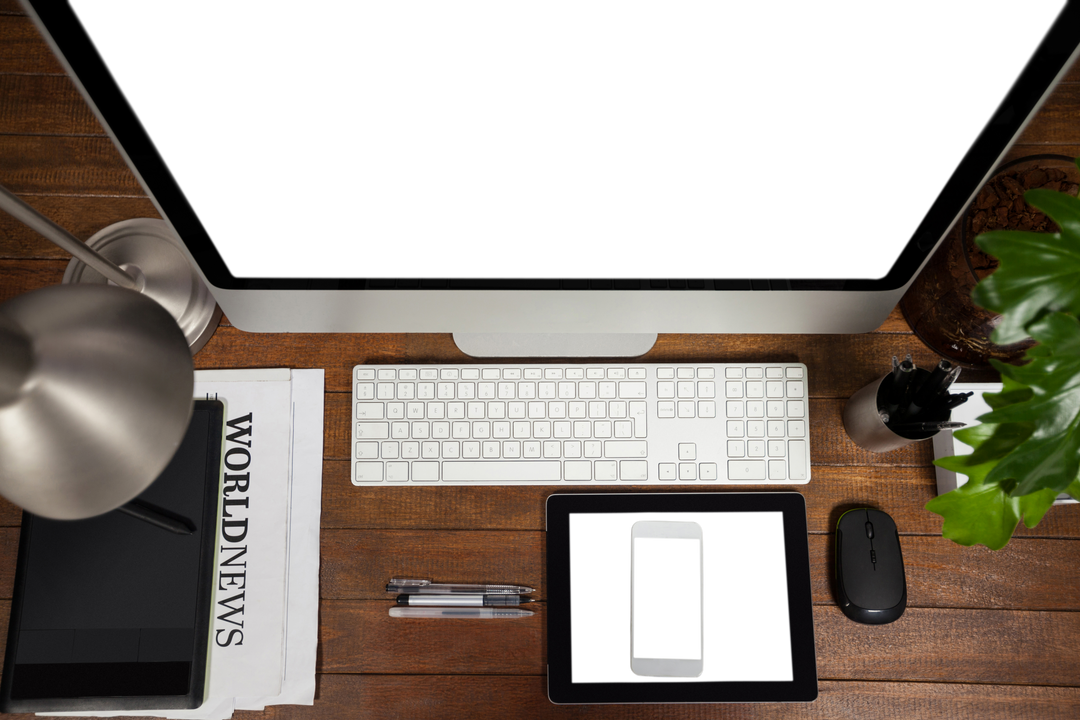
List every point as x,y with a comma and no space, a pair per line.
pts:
458,613
426,587
462,600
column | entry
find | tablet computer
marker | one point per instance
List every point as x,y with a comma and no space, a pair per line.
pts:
679,598
112,612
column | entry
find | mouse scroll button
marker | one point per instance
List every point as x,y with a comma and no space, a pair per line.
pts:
873,557
870,530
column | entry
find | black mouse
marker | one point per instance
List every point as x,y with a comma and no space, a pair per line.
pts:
870,582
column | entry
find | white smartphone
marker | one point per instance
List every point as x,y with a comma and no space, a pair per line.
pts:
666,599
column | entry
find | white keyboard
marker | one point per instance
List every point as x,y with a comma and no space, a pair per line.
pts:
558,424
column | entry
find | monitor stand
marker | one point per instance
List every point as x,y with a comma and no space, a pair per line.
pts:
550,345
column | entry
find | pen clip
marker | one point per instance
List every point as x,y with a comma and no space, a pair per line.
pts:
407,582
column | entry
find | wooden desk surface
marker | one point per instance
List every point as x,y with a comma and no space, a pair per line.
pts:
986,635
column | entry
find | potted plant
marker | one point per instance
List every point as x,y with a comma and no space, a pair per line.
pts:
1027,449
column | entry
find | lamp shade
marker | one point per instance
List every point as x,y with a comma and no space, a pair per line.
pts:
96,388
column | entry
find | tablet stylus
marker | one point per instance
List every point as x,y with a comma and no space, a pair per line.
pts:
460,613
462,600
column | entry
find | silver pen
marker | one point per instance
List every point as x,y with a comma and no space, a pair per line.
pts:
426,587
461,613
462,600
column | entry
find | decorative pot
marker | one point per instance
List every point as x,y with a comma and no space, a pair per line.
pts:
938,305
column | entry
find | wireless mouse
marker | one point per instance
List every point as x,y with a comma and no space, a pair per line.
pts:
870,583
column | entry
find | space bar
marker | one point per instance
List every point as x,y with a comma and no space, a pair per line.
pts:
496,471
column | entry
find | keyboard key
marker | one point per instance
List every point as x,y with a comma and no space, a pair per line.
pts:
368,472
630,470
466,374
685,373
490,373
533,373
429,450
511,449
746,469
706,373
735,408
736,448
605,470
594,373
707,471
665,373
365,391
425,472
735,428
777,448
397,472
387,374
774,372
501,471
594,449
685,389
666,389
706,409
367,450
774,408
631,390
688,471
776,428
572,449
490,449
667,471
410,450
390,449
530,449
470,450
373,430
577,470
665,409
795,388
795,408
794,372
686,408
607,390
365,373
639,414
369,411
733,373
754,372
636,373
797,459
623,429
777,470
448,374
755,428
553,373
616,373
774,389
755,448
451,449
755,408
626,448
687,451
796,428
706,389
395,411
429,374
385,391
575,374
755,389
733,389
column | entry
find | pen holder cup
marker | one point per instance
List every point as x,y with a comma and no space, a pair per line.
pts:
863,423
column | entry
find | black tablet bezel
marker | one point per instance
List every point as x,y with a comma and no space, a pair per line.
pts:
132,686
561,689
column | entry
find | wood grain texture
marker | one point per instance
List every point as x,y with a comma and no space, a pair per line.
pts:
924,645
390,697
80,216
1027,574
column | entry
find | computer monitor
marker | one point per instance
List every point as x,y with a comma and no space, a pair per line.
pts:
567,177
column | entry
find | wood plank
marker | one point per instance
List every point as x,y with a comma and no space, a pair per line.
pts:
901,492
1055,122
44,105
24,49
925,645
1021,150
81,216
1026,574
26,275
932,645
440,697
356,564
64,165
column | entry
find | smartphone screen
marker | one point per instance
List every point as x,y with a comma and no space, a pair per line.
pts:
666,597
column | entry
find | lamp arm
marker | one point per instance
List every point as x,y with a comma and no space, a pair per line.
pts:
52,232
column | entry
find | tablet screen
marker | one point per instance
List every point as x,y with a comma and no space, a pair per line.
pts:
746,610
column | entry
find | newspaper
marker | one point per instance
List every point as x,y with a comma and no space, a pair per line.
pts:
265,627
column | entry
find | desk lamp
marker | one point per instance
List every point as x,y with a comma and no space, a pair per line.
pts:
97,381
141,254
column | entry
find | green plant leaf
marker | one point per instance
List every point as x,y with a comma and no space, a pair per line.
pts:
1037,271
1050,457
1035,505
1074,489
977,512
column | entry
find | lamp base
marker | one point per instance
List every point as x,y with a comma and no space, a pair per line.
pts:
147,249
